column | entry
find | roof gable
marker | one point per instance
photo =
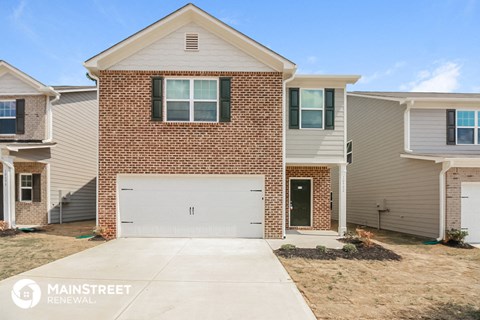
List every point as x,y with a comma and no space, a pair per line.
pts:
14,82
185,15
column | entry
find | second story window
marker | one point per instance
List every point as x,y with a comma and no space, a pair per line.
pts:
311,108
7,117
192,100
468,127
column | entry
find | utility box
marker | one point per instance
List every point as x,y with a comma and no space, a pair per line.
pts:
381,204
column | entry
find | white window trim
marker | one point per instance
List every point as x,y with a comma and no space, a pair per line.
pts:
475,128
191,100
312,109
290,200
2,118
21,188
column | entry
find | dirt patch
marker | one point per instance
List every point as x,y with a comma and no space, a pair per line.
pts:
374,252
8,232
429,282
25,251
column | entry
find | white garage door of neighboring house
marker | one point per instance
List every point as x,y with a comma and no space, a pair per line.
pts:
471,210
191,206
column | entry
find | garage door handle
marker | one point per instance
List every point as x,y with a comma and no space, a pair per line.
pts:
464,197
255,223
126,189
127,221
256,190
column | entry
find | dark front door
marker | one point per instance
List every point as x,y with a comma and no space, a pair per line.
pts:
300,202
1,198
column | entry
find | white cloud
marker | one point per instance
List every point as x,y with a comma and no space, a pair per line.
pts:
444,78
383,73
312,59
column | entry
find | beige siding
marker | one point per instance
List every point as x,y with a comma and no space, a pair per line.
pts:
428,133
410,187
325,145
74,159
10,84
169,54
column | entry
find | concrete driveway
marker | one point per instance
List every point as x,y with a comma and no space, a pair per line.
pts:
158,279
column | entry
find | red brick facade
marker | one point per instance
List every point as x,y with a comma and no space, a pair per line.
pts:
130,142
321,195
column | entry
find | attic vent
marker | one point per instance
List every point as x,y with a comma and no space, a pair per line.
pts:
191,41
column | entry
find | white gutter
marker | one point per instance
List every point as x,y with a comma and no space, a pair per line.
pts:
284,151
49,118
406,127
93,76
445,167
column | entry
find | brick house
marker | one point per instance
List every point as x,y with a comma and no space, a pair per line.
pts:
418,172
41,158
205,132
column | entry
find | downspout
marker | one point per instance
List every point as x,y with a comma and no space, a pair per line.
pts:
93,76
442,178
284,151
406,123
49,120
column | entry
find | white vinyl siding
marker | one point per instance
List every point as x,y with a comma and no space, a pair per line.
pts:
326,145
428,133
74,159
10,84
410,187
169,54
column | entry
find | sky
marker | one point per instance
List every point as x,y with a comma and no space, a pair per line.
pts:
396,45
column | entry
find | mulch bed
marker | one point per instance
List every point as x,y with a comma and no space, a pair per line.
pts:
456,244
374,252
9,232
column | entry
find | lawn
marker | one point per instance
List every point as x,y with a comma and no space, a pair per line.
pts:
430,282
26,251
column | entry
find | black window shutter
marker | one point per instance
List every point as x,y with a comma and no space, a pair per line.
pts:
157,98
20,117
329,109
451,126
294,108
225,99
17,184
37,187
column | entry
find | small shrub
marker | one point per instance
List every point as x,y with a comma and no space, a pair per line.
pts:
103,232
350,248
321,249
3,225
456,235
365,237
288,247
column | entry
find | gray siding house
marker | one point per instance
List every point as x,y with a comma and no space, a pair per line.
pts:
48,150
416,162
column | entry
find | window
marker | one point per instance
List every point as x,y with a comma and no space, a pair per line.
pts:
26,186
311,108
8,113
349,152
467,127
192,100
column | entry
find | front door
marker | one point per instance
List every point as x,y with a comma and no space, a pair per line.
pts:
300,202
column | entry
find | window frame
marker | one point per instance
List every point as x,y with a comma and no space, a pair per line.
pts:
10,118
191,100
300,109
20,197
475,127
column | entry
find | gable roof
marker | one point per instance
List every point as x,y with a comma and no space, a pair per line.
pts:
175,20
5,67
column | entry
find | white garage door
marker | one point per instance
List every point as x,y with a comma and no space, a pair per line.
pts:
191,206
471,211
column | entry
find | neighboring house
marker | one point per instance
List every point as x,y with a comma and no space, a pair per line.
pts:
205,132
48,142
416,162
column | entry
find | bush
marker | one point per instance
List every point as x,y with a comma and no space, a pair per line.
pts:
350,248
456,235
288,247
321,249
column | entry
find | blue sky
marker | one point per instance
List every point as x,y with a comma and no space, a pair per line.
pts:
409,45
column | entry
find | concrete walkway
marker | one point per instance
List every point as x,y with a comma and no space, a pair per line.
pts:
308,239
160,279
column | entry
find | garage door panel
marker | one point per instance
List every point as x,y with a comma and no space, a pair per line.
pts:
191,206
470,212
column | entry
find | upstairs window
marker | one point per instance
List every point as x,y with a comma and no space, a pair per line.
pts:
311,108
8,113
467,127
192,100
